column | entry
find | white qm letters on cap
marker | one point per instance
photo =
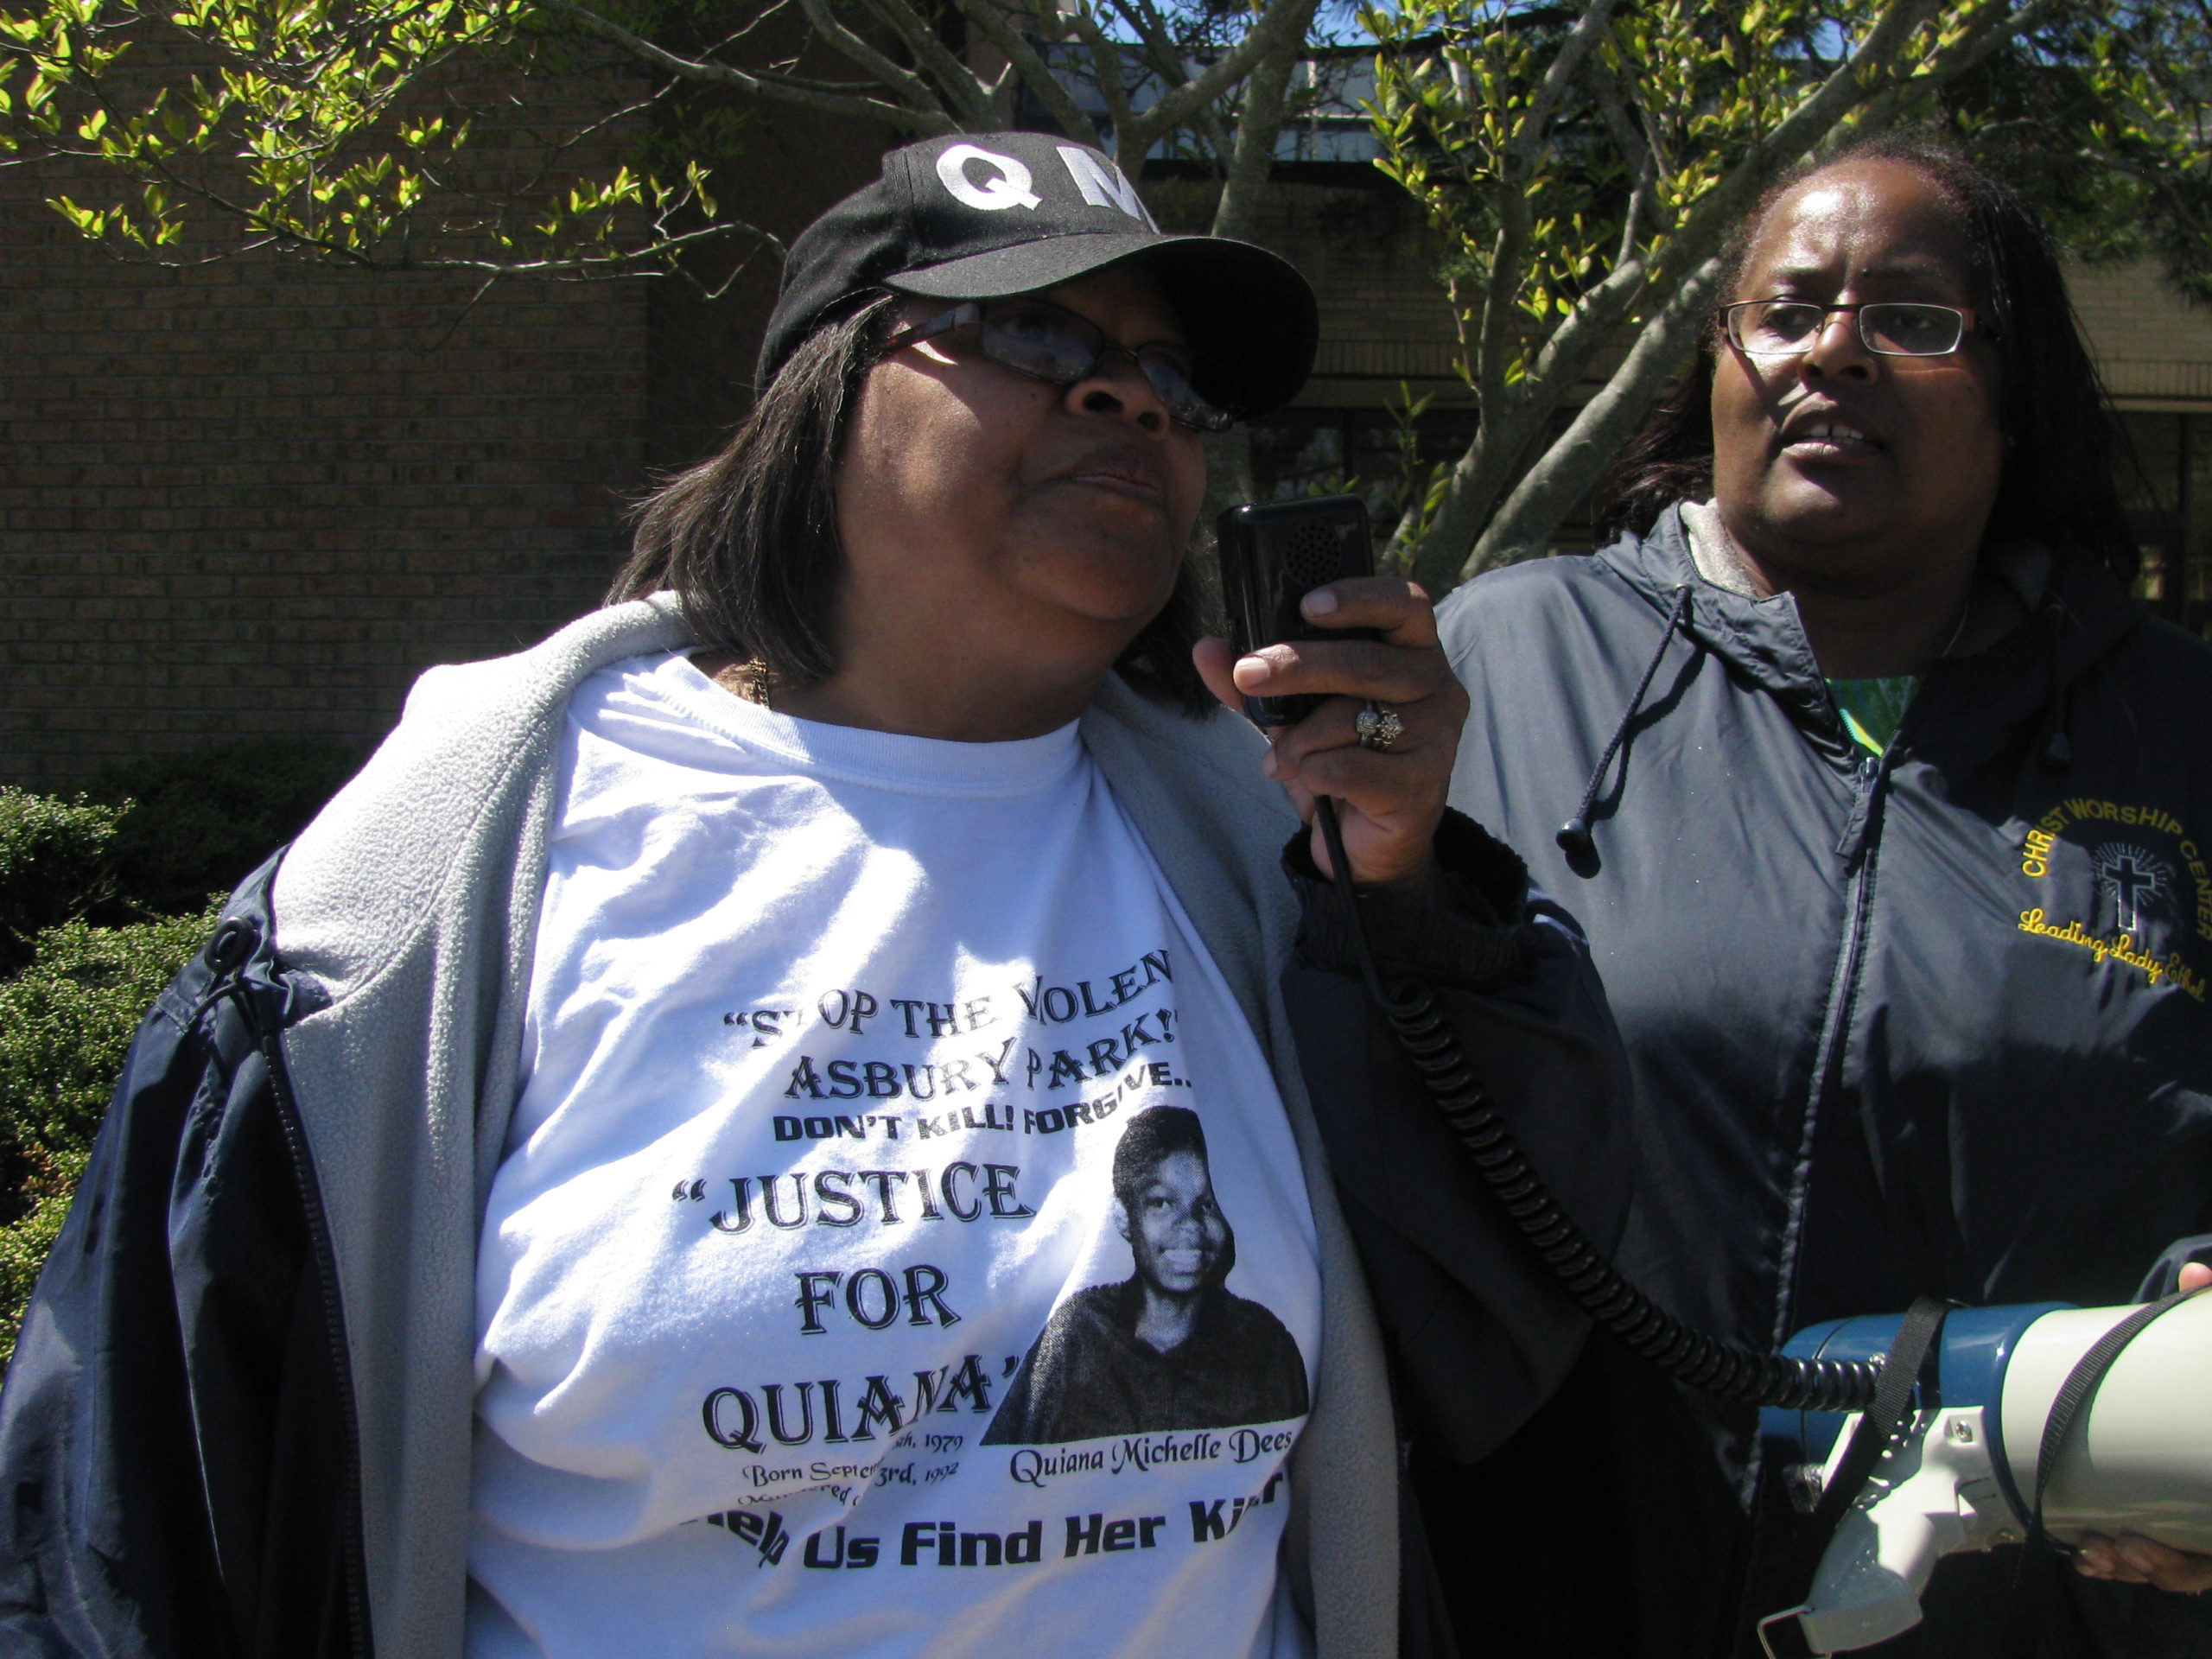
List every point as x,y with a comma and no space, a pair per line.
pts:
1010,189
1102,183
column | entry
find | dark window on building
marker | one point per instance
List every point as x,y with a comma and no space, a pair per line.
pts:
1298,452
1301,452
2168,490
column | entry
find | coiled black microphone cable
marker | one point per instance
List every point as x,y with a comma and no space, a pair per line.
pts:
1689,1355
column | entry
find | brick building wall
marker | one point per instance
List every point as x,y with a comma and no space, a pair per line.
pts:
2154,347
1384,318
260,495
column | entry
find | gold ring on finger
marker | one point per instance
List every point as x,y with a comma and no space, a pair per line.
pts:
1378,728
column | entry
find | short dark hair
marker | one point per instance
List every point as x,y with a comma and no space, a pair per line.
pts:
2061,445
1154,1136
748,539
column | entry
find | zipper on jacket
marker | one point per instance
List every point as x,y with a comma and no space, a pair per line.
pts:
1856,823
1857,845
231,955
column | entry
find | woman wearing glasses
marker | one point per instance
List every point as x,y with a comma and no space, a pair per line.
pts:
1888,814
703,1058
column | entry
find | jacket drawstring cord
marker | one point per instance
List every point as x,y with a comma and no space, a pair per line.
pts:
2058,747
1573,837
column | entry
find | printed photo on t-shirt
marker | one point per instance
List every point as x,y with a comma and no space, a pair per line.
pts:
1171,1346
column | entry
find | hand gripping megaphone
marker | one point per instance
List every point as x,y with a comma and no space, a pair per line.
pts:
2074,1420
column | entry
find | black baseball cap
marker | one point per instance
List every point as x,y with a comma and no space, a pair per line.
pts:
983,215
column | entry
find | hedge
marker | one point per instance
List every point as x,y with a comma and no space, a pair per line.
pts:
51,864
65,1023
103,897
198,823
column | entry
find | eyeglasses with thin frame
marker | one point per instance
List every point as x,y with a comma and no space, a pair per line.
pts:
1051,343
1891,327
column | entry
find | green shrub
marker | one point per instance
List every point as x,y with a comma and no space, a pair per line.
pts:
204,820
51,864
78,880
65,1023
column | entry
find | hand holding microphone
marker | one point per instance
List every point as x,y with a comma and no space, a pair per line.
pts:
1390,781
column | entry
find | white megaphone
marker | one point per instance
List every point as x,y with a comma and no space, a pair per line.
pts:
2132,1452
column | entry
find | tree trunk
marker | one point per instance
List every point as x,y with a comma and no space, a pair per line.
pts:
1477,478
1578,458
1229,476
1259,124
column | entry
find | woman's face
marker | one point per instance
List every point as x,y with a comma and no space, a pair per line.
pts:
1843,466
998,514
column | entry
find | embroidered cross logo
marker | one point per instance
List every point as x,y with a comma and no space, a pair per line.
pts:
2130,883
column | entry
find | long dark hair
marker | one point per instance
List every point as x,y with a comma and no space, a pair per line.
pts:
748,538
2061,447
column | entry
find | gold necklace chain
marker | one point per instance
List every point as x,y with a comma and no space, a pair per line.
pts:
752,680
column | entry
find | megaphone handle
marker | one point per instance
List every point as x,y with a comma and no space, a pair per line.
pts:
1917,1332
1868,1589
1877,1427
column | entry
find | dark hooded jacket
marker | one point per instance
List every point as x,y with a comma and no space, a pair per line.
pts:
1934,1024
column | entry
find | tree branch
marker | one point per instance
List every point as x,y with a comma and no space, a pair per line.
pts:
1106,70
1642,159
782,89
1476,478
1971,49
1509,270
1572,463
1472,484
959,82
1281,28
1859,80
1165,59
1548,491
633,262
904,82
1152,33
1259,124
1850,84
1035,73
1520,150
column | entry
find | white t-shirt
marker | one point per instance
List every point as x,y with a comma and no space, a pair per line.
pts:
810,1323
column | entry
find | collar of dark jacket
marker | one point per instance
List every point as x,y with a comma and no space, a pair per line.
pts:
2077,613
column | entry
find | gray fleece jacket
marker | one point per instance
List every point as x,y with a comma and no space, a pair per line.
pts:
411,906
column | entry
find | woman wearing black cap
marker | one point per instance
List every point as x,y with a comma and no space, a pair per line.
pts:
595,1197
